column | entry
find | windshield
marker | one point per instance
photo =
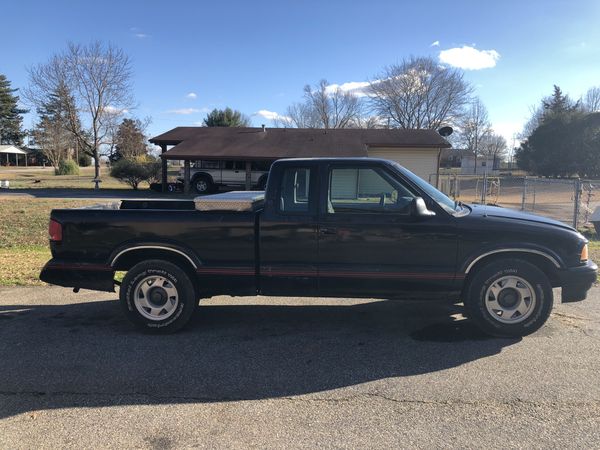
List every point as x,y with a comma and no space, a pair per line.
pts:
439,197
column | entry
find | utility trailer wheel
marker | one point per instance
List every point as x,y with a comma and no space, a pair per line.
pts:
158,296
509,297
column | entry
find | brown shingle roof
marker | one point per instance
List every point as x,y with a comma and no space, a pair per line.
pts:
273,143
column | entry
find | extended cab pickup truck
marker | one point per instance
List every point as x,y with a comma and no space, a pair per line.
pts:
358,227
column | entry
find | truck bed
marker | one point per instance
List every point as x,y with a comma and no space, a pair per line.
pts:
96,236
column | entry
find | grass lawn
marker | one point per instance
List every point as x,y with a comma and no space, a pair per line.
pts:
43,178
24,230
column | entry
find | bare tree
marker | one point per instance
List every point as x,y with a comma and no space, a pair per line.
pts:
52,139
324,107
494,146
591,101
99,78
419,93
474,128
365,121
298,115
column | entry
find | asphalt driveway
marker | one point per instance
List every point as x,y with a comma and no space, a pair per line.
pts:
272,372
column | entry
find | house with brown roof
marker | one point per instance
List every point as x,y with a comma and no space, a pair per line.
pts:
417,150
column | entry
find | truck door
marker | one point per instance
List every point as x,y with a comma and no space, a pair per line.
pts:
288,233
371,245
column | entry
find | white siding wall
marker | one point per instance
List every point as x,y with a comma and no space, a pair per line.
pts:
421,161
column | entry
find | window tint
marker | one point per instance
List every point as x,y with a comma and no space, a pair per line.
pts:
366,190
228,165
294,193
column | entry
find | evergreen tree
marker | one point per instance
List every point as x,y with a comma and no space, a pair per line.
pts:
564,139
10,114
53,132
558,104
130,140
226,118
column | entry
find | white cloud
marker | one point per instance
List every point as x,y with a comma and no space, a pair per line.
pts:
138,33
469,58
183,111
271,115
358,88
192,95
435,44
113,110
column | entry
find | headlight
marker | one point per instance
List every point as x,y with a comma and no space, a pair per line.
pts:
584,254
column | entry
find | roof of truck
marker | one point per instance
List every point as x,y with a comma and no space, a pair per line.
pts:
273,143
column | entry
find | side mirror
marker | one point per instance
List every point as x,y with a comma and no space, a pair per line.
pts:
418,208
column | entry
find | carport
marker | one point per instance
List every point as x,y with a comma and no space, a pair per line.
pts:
264,144
12,150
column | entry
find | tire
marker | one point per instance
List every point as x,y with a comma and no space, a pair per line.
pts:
509,298
262,183
203,185
158,296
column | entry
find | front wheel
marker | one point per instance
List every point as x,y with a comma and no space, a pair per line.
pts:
158,296
509,297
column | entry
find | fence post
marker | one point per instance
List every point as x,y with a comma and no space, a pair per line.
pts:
484,188
577,193
524,194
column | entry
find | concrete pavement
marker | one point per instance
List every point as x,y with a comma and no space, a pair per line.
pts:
299,373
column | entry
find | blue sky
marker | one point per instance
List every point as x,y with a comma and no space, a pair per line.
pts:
257,56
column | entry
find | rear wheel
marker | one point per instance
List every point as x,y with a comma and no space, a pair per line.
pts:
509,297
203,185
158,296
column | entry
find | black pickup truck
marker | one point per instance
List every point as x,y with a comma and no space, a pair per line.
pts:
357,227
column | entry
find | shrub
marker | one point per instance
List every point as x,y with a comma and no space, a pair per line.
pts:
135,171
85,160
67,167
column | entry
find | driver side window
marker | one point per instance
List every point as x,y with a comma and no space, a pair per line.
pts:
366,190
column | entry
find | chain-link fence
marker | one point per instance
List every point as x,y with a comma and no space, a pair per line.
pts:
571,201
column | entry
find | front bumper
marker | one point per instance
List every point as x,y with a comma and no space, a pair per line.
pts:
577,281
97,277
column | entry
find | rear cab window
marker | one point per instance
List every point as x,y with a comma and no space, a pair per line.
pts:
295,196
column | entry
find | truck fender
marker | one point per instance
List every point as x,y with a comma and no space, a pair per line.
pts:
468,264
119,252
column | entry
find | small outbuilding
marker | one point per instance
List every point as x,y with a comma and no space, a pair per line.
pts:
417,150
13,150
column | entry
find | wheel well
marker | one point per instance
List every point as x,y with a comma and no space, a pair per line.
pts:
541,262
129,259
202,175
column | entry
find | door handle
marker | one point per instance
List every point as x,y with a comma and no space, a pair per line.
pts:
328,230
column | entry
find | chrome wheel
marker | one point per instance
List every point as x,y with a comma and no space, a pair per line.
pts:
510,299
156,298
